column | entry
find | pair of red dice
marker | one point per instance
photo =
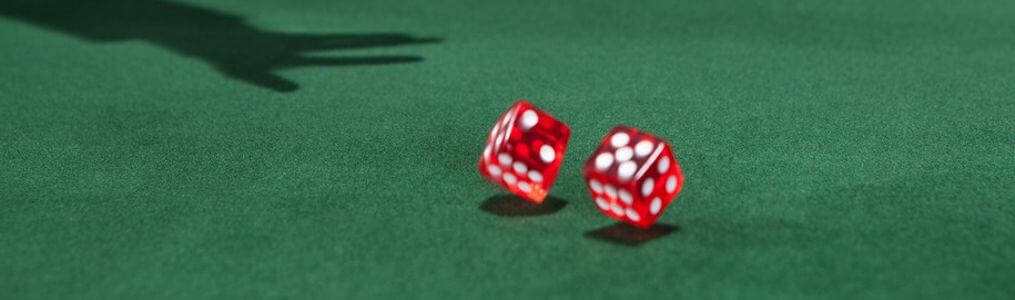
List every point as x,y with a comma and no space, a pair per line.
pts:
632,176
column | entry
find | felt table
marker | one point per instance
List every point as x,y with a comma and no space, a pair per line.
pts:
227,149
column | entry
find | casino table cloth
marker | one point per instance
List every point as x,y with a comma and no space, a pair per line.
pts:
227,149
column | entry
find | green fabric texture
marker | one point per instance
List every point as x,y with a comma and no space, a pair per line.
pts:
205,150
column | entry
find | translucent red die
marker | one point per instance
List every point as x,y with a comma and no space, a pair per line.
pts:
633,176
524,150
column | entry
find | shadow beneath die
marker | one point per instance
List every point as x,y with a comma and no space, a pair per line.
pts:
507,205
627,235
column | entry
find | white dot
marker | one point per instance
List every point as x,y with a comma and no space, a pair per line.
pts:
617,209
547,154
643,148
520,167
602,203
671,184
604,161
505,159
624,154
535,176
625,196
524,186
626,170
633,215
647,186
493,169
655,205
664,164
510,178
529,119
611,191
596,186
619,139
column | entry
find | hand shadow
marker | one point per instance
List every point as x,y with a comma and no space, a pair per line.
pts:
507,205
627,235
235,48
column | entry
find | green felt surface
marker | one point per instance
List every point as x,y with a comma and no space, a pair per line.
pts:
183,149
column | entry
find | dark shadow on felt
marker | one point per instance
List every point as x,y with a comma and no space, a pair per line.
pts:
227,42
624,234
507,205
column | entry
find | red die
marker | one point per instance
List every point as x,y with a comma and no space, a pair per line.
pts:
633,176
524,151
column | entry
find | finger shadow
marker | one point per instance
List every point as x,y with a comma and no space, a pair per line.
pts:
229,43
507,205
627,235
